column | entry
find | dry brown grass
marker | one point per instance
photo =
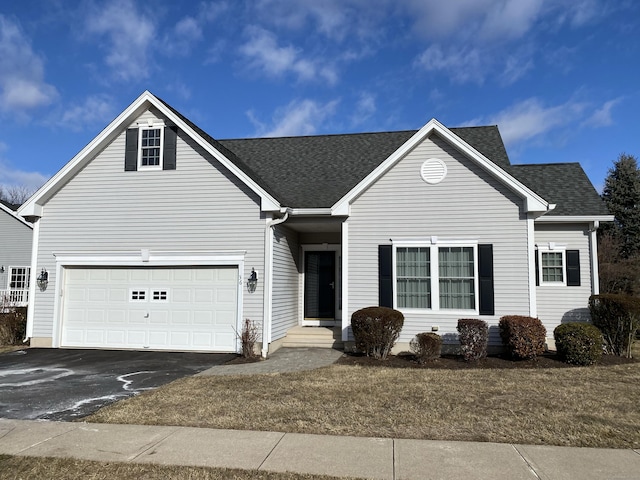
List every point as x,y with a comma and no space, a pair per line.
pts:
69,469
586,406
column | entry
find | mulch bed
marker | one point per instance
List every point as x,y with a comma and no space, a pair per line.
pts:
455,362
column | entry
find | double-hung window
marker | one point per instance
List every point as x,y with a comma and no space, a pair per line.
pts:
436,277
552,264
457,278
19,278
413,273
150,147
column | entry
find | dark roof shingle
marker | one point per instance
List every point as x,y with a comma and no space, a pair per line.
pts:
317,171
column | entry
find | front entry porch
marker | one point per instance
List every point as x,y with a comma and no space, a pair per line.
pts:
306,336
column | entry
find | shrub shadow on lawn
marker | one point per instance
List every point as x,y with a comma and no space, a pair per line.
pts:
456,362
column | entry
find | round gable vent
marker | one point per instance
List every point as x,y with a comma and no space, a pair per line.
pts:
433,170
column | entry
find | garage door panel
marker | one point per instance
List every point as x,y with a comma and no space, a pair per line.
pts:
170,308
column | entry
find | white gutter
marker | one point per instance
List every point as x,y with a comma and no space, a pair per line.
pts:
268,277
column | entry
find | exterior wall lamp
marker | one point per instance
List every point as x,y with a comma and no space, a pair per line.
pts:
1,268
252,282
43,279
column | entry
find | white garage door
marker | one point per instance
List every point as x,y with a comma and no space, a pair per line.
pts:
172,308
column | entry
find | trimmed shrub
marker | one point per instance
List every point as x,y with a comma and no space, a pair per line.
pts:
426,346
618,318
578,343
473,335
13,326
376,330
524,337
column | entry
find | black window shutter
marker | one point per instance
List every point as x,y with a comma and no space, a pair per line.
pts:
537,267
573,268
485,274
169,155
131,150
385,276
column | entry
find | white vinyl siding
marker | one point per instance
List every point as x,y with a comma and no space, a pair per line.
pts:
468,204
200,207
285,292
558,303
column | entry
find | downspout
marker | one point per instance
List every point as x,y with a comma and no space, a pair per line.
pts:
595,273
268,277
33,276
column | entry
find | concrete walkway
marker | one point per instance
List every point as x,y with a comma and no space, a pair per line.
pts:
373,458
282,360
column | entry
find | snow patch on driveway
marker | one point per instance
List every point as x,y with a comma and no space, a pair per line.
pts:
32,376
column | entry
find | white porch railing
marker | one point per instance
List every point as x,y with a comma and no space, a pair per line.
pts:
14,298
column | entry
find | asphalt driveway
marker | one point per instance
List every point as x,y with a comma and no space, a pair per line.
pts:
64,385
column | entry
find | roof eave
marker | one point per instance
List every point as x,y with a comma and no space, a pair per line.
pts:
574,218
16,216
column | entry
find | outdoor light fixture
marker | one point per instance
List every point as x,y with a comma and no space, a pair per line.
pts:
252,282
1,268
43,280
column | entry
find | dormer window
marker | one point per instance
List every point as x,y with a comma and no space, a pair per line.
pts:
150,150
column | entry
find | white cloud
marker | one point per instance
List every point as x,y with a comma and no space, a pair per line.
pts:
14,177
530,119
602,116
365,108
264,54
516,67
462,65
129,33
22,84
301,117
96,110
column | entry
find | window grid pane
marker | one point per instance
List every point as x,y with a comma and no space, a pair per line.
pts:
413,277
19,278
150,147
457,278
552,268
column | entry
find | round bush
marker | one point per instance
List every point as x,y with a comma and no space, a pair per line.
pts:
426,346
376,330
473,335
578,343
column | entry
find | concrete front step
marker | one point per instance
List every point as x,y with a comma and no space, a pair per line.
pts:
323,337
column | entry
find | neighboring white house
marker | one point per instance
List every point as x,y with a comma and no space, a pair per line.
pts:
151,233
15,256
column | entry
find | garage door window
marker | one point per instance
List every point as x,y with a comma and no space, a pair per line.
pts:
138,295
160,296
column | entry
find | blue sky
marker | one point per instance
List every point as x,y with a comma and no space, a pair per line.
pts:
561,78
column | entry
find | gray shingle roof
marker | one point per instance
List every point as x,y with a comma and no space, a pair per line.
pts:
564,184
316,171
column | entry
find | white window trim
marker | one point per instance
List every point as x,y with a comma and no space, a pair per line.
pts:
138,300
10,269
552,247
433,243
160,290
153,126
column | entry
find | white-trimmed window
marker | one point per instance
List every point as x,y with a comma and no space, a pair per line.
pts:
436,276
19,278
150,147
552,262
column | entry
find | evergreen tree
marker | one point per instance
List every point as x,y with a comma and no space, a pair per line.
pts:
621,193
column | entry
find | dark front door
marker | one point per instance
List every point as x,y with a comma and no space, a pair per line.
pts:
320,285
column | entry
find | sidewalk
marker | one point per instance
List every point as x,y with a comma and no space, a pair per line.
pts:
375,458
